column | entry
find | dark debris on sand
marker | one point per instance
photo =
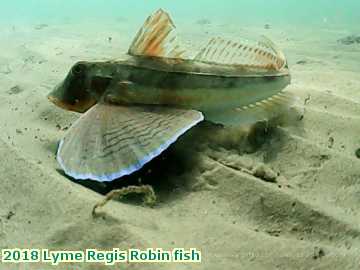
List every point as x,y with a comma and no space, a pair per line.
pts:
10,215
41,26
203,22
15,90
357,153
352,39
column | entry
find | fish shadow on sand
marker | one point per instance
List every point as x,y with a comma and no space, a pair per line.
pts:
174,173
169,174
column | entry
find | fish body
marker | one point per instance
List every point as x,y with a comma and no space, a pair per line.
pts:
156,83
187,84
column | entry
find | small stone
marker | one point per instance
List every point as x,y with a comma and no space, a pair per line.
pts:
41,26
301,62
10,215
265,173
357,153
324,157
352,39
318,253
15,90
267,26
203,22
331,142
18,131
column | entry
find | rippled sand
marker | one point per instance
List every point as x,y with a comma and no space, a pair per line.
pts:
307,218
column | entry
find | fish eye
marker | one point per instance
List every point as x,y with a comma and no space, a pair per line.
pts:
78,69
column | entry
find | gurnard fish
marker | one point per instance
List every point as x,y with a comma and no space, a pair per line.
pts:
135,108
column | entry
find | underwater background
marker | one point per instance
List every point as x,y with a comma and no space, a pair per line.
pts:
318,12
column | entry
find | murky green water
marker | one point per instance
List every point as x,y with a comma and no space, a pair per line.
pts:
322,13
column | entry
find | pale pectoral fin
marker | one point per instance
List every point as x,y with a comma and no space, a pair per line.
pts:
265,109
110,141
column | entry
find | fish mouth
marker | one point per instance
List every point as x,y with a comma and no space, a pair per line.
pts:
55,97
79,106
60,103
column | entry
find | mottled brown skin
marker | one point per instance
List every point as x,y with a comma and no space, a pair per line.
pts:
181,83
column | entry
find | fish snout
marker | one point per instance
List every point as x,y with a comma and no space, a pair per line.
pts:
73,92
61,97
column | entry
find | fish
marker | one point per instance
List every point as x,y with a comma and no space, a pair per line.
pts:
136,107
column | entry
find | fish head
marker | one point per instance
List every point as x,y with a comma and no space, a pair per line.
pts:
74,92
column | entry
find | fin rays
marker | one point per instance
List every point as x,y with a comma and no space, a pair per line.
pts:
137,135
264,109
157,38
262,54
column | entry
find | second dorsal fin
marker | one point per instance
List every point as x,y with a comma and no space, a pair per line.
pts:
157,38
261,54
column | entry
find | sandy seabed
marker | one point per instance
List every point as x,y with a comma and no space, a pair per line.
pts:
307,219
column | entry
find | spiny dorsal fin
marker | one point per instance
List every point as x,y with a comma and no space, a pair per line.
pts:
157,38
281,59
243,53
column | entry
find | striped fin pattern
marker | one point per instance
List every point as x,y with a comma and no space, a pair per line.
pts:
244,53
264,109
111,141
157,38
270,103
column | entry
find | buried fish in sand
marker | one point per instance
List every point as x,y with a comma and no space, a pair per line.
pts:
137,107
